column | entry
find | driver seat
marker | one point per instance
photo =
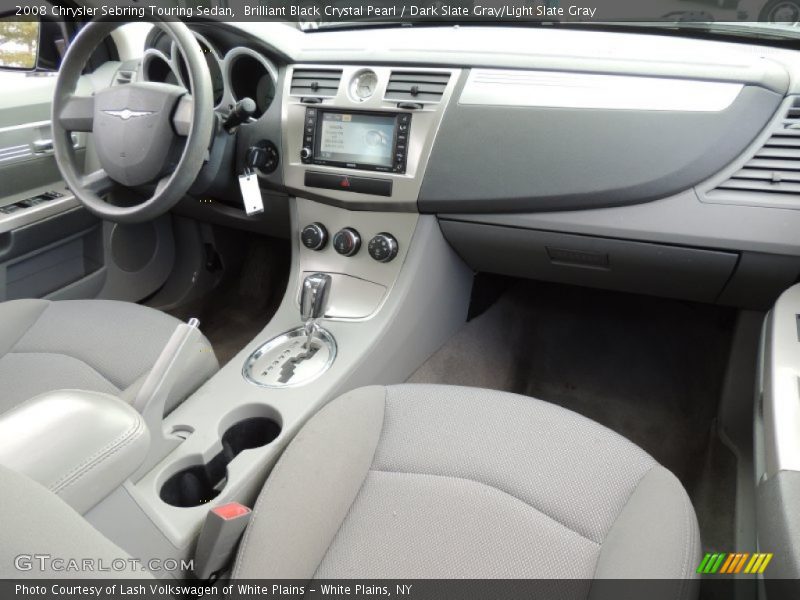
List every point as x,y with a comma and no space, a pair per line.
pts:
97,345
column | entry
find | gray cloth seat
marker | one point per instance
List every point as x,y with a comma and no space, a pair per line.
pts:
35,521
97,345
425,481
421,481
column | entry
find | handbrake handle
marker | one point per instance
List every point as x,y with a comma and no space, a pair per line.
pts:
152,395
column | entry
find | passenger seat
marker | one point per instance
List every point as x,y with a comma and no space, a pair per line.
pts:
425,481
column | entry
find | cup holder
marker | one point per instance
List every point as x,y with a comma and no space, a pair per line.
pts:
200,484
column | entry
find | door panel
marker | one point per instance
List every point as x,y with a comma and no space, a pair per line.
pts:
51,247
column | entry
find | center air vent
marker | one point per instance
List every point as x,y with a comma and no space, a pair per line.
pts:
323,83
415,86
775,167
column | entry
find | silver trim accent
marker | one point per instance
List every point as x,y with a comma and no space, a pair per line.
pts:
149,55
31,125
45,146
355,80
174,65
496,87
425,124
15,152
322,336
127,114
227,65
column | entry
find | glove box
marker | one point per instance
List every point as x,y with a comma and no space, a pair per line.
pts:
640,267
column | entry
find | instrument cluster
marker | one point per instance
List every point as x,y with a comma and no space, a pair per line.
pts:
237,74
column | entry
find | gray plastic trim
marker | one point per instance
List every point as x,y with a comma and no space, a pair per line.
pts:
777,499
568,159
781,385
680,219
656,269
35,214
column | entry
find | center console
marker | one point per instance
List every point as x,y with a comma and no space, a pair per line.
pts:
374,289
382,320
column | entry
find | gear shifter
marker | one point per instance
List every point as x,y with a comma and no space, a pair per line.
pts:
313,301
302,354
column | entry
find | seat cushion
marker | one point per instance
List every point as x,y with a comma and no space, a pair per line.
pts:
97,345
425,481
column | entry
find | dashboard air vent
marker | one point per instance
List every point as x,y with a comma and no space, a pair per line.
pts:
316,82
414,86
775,168
123,77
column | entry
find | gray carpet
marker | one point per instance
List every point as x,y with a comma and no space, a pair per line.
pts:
649,368
233,313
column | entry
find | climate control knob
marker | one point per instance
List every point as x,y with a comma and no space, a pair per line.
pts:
314,236
383,247
347,241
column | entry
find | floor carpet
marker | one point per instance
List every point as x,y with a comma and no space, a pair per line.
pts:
233,313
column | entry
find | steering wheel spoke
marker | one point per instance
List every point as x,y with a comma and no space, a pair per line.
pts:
162,184
184,112
77,113
99,182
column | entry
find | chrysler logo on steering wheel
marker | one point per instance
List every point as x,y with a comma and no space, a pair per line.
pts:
128,114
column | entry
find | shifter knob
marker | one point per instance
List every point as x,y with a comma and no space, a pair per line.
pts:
314,296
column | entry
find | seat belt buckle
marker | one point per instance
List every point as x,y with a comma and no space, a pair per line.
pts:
219,537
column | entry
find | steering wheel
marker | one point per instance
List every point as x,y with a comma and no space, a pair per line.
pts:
145,133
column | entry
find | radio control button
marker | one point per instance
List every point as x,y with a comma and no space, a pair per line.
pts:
347,241
305,153
383,247
314,236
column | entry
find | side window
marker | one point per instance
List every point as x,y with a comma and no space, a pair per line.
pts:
19,41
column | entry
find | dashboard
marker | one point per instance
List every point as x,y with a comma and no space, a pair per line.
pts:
600,157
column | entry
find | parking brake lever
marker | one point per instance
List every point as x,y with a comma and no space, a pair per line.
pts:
181,347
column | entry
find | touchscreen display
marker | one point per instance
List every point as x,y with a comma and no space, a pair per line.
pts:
356,138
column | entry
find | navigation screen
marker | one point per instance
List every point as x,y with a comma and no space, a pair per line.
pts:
356,138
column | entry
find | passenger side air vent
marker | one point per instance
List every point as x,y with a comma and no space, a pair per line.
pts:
123,77
415,86
322,83
775,168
